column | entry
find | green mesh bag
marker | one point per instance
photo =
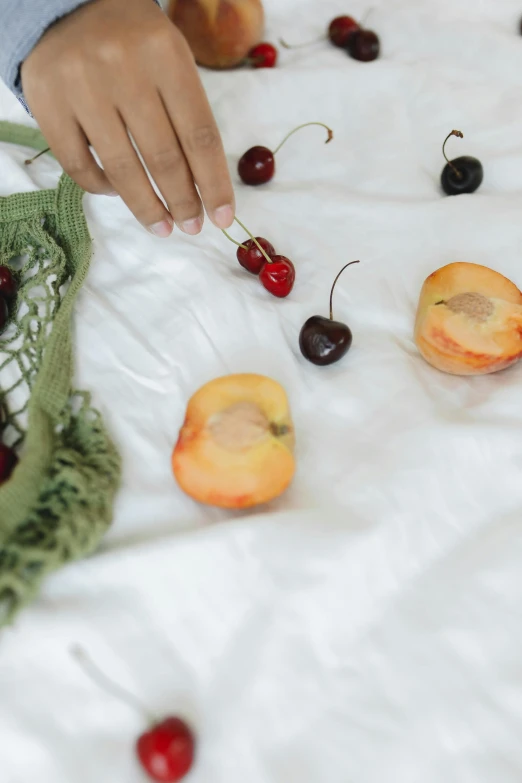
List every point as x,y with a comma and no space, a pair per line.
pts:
58,502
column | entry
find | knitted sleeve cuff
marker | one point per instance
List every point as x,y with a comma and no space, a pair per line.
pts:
23,22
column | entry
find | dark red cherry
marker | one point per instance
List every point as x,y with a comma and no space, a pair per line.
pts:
7,283
460,175
257,166
278,277
8,462
340,29
251,258
264,55
322,340
363,45
4,313
166,751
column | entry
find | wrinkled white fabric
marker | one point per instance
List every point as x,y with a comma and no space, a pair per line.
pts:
366,626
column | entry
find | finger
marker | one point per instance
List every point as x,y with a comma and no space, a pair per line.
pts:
123,168
196,129
155,138
64,134
71,148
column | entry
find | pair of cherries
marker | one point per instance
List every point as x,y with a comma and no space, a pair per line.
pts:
258,256
346,33
8,288
361,44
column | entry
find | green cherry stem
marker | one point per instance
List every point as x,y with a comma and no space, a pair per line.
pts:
363,21
35,157
305,125
335,283
103,682
286,45
233,240
254,240
459,135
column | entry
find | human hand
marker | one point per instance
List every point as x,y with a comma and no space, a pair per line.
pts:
115,67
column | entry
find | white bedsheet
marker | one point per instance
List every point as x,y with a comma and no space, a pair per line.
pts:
365,627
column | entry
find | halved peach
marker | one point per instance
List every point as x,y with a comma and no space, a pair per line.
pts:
469,320
235,449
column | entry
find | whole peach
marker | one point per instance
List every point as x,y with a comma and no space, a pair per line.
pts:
219,32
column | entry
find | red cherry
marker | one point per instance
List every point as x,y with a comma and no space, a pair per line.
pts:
264,55
341,28
8,462
251,258
7,283
257,166
278,277
166,752
363,45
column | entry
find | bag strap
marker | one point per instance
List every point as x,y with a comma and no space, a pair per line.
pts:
23,136
52,387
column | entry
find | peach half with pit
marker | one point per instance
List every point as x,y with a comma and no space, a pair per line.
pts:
235,448
469,320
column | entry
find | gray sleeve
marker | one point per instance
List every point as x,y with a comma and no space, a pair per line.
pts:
22,24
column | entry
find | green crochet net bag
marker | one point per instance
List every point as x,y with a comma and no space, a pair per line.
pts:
58,502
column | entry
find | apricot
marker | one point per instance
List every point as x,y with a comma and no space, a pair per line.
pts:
235,448
469,320
219,32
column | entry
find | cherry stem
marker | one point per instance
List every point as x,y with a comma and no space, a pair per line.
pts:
459,135
305,125
335,283
38,155
233,240
302,45
103,682
254,240
253,60
366,15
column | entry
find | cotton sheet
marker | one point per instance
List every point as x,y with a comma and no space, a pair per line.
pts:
366,626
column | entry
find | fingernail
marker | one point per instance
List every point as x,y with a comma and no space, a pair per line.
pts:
224,216
113,193
162,229
192,226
